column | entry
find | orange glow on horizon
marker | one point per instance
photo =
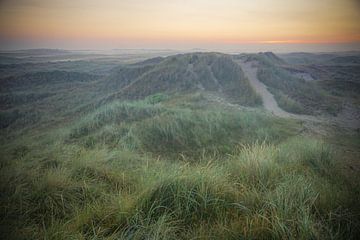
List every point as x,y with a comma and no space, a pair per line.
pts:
196,21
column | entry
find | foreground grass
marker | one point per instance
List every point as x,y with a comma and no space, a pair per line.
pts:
263,191
149,170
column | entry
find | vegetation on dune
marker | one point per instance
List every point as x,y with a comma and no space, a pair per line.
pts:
41,79
293,94
157,170
193,132
341,81
165,129
79,164
185,73
287,103
262,191
60,94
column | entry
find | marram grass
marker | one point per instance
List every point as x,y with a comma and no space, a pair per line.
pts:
164,172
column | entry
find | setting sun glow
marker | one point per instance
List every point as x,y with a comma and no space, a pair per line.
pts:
177,23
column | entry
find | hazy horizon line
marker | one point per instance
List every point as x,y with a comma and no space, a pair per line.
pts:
3,50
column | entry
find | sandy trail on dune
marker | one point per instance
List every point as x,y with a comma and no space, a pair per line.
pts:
269,102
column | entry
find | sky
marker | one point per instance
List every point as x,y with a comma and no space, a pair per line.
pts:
280,25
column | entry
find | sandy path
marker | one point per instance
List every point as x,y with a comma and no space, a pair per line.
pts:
269,102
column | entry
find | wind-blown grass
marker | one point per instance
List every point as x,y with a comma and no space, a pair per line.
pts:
260,191
114,113
161,171
169,130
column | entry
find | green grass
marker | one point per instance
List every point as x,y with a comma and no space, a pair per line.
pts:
168,129
160,169
260,191
82,164
287,103
184,73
